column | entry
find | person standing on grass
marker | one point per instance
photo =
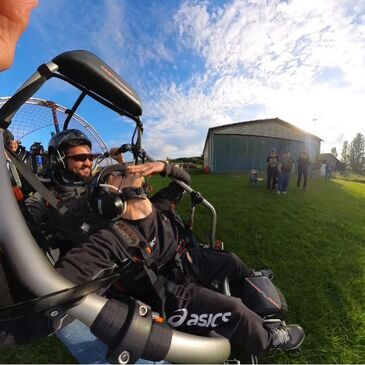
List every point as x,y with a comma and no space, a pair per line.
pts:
328,170
303,166
272,170
286,165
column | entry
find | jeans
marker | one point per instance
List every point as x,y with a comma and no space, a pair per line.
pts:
283,181
85,347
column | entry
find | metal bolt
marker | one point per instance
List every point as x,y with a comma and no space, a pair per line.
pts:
124,357
143,310
54,313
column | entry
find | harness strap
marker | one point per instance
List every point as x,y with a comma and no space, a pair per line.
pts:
36,184
130,239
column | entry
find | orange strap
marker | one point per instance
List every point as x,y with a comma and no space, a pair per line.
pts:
18,194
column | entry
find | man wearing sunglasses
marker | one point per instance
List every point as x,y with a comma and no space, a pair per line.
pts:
70,170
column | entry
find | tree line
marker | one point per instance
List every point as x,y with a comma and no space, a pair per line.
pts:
353,154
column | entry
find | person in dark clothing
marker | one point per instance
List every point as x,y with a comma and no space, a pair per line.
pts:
303,166
328,170
190,303
272,171
70,171
286,166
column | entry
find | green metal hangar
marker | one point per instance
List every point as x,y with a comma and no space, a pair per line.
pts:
240,147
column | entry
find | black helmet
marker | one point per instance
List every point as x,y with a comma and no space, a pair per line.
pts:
8,137
60,141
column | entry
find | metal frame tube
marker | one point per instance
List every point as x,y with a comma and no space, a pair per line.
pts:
186,187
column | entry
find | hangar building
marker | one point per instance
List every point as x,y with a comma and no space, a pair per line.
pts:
240,147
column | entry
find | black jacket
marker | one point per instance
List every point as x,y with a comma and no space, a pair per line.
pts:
160,230
95,258
65,230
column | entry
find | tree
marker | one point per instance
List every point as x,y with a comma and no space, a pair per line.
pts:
345,154
357,154
334,151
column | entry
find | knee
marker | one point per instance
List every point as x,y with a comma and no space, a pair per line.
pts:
239,269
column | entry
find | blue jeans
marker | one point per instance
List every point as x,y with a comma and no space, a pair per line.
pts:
283,181
85,347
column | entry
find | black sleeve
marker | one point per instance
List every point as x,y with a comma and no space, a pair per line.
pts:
96,258
37,211
173,192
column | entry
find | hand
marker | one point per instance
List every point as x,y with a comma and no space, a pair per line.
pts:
148,168
115,155
14,17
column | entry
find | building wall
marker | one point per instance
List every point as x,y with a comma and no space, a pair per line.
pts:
238,153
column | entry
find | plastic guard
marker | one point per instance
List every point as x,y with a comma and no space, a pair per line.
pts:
260,295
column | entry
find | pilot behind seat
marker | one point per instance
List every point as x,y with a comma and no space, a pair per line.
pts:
70,170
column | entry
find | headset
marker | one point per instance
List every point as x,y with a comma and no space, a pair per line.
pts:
109,201
55,152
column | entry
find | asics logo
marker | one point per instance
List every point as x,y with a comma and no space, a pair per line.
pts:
200,320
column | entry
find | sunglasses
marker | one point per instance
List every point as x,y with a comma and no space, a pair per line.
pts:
82,157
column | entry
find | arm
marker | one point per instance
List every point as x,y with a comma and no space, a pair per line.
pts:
116,155
93,259
173,192
37,211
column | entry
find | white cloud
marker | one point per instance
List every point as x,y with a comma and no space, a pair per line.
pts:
303,61
300,60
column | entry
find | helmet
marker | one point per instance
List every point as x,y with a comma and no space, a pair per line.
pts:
60,141
8,137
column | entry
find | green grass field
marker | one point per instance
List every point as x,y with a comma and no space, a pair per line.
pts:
313,240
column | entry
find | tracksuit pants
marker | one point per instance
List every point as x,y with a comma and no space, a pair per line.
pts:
202,310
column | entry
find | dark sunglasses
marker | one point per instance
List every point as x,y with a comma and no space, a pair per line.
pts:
82,157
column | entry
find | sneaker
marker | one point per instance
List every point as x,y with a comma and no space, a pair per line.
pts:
264,272
287,338
278,191
284,192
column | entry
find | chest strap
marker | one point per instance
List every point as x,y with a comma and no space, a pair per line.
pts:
140,253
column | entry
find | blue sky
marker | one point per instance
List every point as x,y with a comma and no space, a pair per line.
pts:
200,64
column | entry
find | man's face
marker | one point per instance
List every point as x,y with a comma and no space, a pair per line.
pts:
14,17
79,161
13,145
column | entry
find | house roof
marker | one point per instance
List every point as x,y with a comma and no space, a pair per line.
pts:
273,128
325,156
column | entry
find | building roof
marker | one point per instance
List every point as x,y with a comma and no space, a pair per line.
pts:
326,156
273,128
